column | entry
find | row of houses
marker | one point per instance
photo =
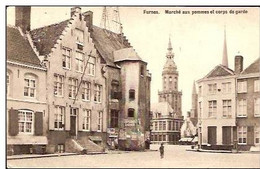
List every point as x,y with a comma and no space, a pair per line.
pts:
228,108
70,87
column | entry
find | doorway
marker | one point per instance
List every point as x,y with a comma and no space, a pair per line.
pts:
73,121
212,135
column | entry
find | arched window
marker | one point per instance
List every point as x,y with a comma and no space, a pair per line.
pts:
131,94
30,85
25,121
131,112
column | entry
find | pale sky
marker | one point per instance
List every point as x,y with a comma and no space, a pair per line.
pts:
197,39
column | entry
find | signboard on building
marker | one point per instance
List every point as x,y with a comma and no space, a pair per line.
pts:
129,123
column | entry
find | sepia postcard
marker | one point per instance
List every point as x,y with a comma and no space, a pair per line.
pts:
132,87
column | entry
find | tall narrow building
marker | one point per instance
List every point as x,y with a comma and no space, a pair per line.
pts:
170,76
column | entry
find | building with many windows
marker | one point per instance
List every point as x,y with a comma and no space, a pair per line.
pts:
76,85
217,106
128,100
248,104
27,112
91,95
165,124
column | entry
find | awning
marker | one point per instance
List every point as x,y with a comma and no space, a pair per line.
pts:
27,139
95,138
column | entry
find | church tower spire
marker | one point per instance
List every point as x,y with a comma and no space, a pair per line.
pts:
170,76
225,56
169,54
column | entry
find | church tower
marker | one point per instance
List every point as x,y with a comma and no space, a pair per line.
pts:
170,76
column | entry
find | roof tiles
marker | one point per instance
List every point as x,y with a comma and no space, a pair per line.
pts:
19,48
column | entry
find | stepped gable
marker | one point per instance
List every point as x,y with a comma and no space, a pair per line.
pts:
44,38
19,48
106,42
220,70
253,68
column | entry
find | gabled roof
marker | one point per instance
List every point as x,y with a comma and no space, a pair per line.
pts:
253,68
106,42
19,48
220,71
44,38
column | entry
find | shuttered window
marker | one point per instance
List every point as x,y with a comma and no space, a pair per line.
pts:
25,121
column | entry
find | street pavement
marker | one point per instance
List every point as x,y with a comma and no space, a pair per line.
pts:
175,156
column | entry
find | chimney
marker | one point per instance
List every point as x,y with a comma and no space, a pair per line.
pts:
75,9
88,17
23,18
238,64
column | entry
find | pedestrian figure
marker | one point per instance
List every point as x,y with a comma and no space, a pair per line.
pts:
161,150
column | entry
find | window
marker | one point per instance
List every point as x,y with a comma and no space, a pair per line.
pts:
164,137
86,119
73,84
164,125
155,126
97,94
30,86
8,84
115,94
200,90
91,65
58,85
257,86
79,36
226,87
169,125
170,79
131,94
79,62
66,58
59,118
242,134
100,114
227,108
212,88
212,108
242,87
160,125
25,121
200,110
257,134
86,91
131,112
142,70
257,107
242,108
114,119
